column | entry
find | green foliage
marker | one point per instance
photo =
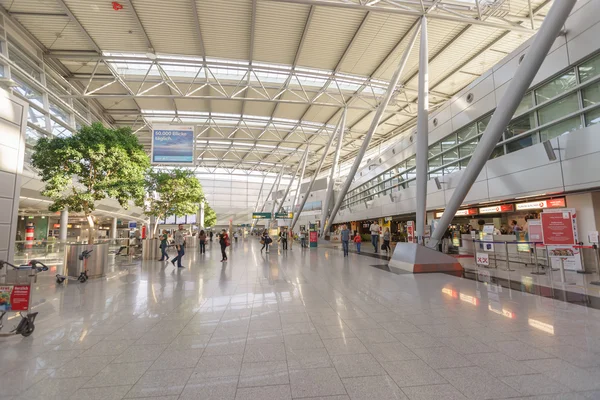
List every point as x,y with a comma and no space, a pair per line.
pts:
210,217
175,192
93,164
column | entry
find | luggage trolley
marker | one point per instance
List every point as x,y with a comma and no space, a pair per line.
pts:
82,268
16,295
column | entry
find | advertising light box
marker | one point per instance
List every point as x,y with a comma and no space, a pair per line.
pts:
552,203
497,209
173,145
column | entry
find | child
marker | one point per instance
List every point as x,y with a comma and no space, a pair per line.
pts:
357,240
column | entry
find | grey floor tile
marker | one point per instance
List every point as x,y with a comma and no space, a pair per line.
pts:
316,382
175,359
335,331
416,340
521,351
499,364
577,379
433,392
442,357
108,348
341,346
185,342
16,381
265,337
412,373
223,388
139,353
576,356
53,389
264,374
374,336
264,352
158,336
217,366
373,388
303,341
536,384
298,328
308,358
468,345
476,383
225,346
354,365
83,366
161,383
119,374
103,393
394,351
400,327
281,392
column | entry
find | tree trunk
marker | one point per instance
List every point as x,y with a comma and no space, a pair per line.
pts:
155,229
91,230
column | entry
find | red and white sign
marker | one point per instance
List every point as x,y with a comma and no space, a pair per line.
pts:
552,203
557,228
497,209
410,231
483,259
459,213
535,230
14,298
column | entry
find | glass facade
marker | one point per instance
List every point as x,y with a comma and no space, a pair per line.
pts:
561,105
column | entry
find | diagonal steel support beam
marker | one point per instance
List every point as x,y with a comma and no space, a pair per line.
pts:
287,191
372,129
422,150
299,184
507,106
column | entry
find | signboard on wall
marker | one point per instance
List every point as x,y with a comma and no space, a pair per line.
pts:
459,213
173,145
559,233
497,209
552,203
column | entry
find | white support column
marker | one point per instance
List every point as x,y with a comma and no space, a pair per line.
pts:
507,106
372,128
332,172
64,220
275,194
299,185
422,150
201,216
113,228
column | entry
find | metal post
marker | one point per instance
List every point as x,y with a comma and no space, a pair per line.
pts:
113,228
537,52
64,221
563,277
597,283
201,216
276,190
317,171
422,150
287,191
336,159
372,128
257,201
507,257
537,264
299,184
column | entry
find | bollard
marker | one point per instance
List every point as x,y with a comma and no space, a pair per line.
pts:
563,277
537,264
582,261
595,246
507,257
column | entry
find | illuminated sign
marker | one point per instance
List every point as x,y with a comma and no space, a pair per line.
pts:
459,213
542,326
497,209
552,203
469,299
450,292
503,312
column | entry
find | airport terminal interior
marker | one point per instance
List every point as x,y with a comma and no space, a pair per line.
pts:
299,199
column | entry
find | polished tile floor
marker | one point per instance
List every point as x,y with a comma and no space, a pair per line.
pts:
306,323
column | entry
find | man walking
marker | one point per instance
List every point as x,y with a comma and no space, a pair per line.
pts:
179,239
375,228
345,239
283,236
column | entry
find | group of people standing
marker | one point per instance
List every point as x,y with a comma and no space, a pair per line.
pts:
376,231
179,241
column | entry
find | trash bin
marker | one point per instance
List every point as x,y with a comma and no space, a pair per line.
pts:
96,262
150,249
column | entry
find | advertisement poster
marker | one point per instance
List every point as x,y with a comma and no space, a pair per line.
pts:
535,230
173,145
488,236
410,231
559,233
14,298
522,237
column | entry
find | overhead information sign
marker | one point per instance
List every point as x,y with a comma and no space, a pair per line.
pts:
497,209
552,203
284,215
261,215
173,145
459,213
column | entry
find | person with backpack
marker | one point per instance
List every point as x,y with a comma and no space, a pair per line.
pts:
266,241
357,241
224,242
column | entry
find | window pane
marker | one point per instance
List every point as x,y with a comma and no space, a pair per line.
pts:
591,95
448,142
482,125
527,141
18,59
27,91
59,112
434,150
36,117
32,136
450,156
468,148
556,87
451,169
435,163
589,69
59,130
567,126
519,126
592,117
411,162
464,163
466,133
436,174
411,174
558,109
525,104
498,152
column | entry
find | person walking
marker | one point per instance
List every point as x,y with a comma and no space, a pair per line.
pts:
163,246
211,236
302,239
179,239
375,230
386,240
235,236
202,239
224,242
283,235
357,241
345,239
266,241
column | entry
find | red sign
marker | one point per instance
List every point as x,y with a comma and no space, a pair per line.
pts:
497,209
410,231
56,226
552,203
14,298
459,213
313,237
557,228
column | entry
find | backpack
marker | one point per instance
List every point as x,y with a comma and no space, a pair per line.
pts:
269,240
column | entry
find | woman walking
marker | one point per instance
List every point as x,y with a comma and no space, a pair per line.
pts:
224,242
386,240
202,238
163,246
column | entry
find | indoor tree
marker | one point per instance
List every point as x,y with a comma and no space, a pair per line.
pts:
172,192
93,164
210,217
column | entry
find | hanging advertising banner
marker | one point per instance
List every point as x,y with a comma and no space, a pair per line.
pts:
559,234
552,203
173,145
497,209
410,231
